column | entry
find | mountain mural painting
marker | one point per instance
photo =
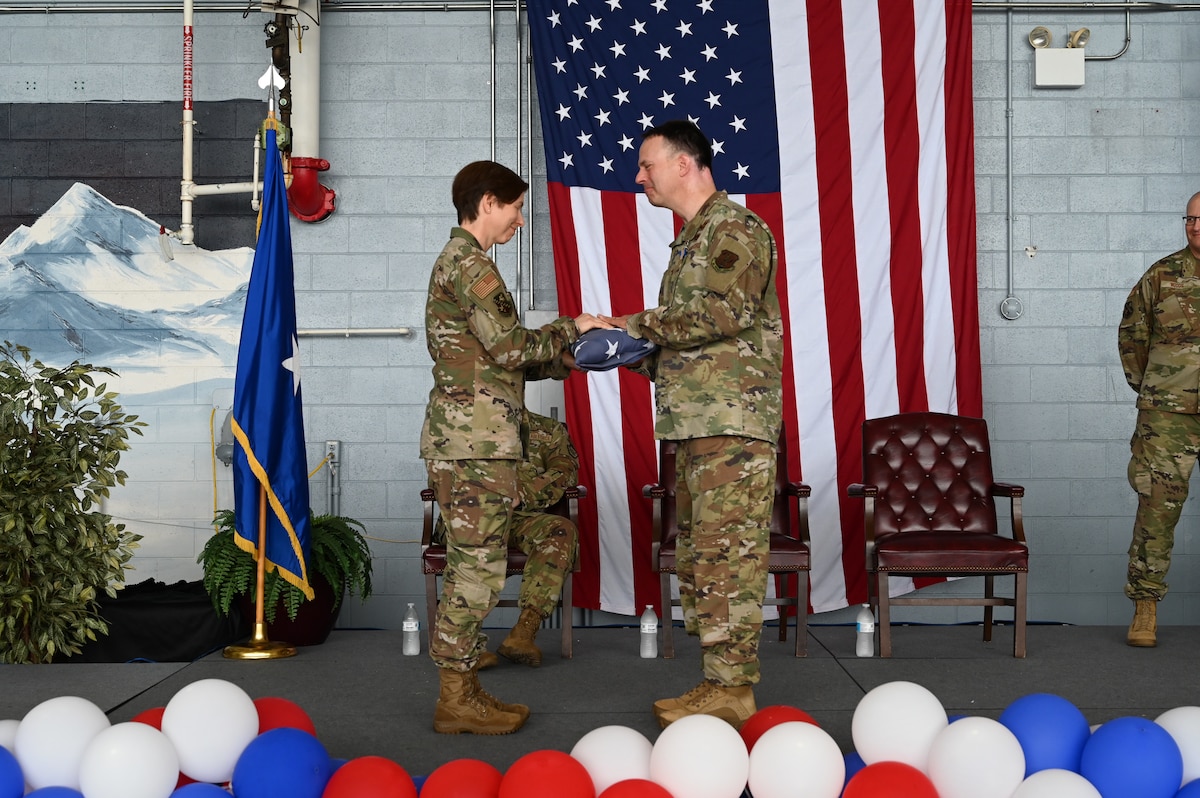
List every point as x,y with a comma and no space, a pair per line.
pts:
90,281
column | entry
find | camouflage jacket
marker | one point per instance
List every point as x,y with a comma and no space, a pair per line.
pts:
550,465
719,368
482,356
1159,336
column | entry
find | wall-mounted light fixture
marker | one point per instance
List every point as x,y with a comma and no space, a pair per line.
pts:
1058,67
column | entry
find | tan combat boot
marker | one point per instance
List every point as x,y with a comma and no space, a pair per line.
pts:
487,659
520,710
518,646
734,705
463,707
1143,630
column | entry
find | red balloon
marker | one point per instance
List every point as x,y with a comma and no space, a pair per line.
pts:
275,713
768,718
635,788
890,780
547,774
462,778
151,717
370,777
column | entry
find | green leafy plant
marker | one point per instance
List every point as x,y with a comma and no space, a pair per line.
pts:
61,438
339,554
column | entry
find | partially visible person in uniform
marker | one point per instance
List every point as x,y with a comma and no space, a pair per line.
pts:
471,438
1159,342
718,394
549,541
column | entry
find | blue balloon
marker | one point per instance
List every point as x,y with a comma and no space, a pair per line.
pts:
1190,790
199,789
419,782
282,761
1051,730
1132,756
854,763
12,780
55,792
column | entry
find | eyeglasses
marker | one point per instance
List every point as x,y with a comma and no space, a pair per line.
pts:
1189,220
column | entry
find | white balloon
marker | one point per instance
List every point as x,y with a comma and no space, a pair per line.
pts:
976,758
8,734
700,756
613,753
52,737
1183,724
210,722
129,760
1056,783
897,722
796,759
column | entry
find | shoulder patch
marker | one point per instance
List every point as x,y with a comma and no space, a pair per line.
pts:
503,303
726,260
485,285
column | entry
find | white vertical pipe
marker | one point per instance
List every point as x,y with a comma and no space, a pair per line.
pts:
305,47
187,232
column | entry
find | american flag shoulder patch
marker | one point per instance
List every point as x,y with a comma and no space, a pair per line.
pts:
485,286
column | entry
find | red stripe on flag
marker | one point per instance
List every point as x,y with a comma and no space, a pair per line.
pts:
627,295
902,145
839,271
960,191
586,583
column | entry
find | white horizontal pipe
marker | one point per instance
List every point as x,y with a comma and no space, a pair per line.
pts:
201,190
359,332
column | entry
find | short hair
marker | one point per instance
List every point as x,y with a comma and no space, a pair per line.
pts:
685,137
478,179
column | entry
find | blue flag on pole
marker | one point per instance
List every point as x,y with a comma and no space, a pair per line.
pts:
268,417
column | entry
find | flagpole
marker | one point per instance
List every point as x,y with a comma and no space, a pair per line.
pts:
259,647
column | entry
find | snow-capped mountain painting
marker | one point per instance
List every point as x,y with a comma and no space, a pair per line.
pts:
91,281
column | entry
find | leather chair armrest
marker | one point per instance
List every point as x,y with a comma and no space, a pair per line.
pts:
859,491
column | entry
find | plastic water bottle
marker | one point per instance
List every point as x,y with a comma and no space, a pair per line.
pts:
411,637
649,633
864,646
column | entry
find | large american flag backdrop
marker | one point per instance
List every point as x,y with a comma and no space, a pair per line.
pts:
847,126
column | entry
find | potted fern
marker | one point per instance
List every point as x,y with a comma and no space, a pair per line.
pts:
339,562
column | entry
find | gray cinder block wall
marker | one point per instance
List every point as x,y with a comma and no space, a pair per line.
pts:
1099,177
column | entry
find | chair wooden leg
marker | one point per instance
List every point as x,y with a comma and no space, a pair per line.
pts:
568,617
802,614
784,580
884,624
430,605
989,591
1019,601
668,641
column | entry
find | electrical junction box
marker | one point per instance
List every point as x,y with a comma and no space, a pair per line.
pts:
1058,68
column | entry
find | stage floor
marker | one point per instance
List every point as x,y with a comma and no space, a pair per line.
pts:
367,699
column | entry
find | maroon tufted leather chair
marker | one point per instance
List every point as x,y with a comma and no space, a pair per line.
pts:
433,563
790,556
931,511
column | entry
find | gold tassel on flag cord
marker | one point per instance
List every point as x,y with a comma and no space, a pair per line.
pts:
259,647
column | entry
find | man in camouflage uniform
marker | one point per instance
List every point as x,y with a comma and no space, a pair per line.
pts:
549,541
471,438
1159,341
718,394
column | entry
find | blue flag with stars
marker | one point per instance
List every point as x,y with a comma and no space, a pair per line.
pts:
269,462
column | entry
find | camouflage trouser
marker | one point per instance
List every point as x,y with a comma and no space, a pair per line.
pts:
549,541
476,499
724,494
1164,448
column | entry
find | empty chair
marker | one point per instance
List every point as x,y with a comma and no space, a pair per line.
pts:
790,557
931,511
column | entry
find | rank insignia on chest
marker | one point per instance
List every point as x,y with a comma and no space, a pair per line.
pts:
504,303
726,260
